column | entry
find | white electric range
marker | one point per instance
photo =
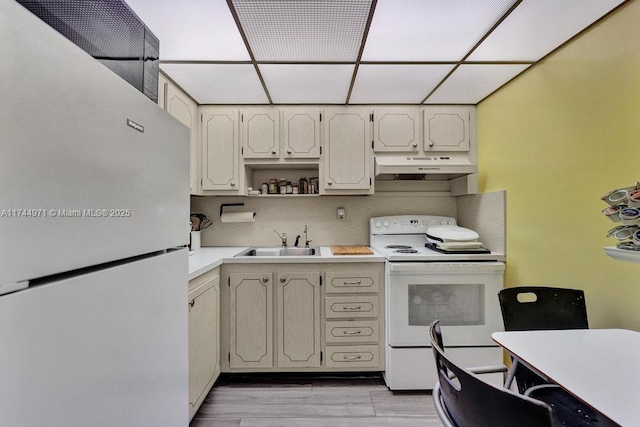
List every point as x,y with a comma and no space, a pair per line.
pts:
421,285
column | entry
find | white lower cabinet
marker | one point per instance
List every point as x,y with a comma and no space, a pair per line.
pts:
285,317
204,337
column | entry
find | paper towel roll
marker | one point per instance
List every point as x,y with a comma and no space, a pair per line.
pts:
238,217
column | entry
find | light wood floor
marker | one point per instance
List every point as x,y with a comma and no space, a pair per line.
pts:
302,401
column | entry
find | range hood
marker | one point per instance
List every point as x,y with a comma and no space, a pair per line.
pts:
446,167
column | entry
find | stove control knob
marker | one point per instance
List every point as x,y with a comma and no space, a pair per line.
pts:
386,223
378,224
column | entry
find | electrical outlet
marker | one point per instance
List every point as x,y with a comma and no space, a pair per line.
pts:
342,214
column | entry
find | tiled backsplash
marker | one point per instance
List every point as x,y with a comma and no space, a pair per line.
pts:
290,214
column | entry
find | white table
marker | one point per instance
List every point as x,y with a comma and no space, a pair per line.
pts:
599,366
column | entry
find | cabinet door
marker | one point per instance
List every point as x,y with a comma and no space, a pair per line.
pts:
251,320
446,129
261,134
396,130
347,163
185,110
204,344
220,150
298,299
301,134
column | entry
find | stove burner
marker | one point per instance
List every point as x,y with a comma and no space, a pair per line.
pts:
397,247
405,251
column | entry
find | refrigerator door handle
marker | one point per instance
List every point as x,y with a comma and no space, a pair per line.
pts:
14,286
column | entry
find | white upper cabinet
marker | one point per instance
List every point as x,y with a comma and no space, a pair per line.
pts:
396,130
447,128
301,134
220,151
183,108
261,134
347,167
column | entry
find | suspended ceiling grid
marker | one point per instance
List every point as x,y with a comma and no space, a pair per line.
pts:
358,51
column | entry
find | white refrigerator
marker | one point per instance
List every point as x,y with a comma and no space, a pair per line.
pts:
94,208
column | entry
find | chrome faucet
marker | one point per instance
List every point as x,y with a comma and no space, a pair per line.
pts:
306,240
282,237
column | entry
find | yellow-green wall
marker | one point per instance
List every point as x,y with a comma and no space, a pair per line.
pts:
557,138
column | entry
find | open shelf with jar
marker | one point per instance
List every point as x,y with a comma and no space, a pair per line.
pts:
283,183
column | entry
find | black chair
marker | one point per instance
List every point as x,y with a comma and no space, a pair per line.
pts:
462,399
527,308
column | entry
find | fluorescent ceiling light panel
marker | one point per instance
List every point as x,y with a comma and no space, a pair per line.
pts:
192,30
401,84
307,84
469,84
218,83
303,30
436,30
537,27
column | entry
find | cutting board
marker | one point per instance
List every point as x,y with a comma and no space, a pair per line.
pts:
351,250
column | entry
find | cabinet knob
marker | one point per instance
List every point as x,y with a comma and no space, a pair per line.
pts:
273,151
415,145
329,183
282,280
431,144
265,279
233,184
289,151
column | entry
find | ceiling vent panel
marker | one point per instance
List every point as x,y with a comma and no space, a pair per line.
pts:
303,30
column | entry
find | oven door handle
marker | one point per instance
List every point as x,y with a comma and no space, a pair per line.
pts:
443,267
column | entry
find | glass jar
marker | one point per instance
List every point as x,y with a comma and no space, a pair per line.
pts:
273,186
265,188
302,185
283,186
296,188
289,188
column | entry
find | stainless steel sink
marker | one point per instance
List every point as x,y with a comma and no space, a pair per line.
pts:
292,251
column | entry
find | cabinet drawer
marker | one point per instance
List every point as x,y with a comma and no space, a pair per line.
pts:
352,282
365,356
351,306
351,332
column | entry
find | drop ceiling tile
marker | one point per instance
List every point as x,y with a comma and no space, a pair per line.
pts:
537,27
436,30
307,84
396,84
218,83
469,84
303,30
193,30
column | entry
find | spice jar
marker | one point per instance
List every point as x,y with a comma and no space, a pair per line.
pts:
289,188
273,186
265,188
303,185
296,188
283,186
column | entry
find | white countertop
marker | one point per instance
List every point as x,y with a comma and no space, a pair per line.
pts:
208,258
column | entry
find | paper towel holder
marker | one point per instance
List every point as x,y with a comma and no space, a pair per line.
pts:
224,205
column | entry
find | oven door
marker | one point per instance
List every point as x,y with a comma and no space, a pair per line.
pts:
464,296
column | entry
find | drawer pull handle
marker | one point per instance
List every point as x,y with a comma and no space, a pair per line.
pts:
352,357
351,307
358,332
355,282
